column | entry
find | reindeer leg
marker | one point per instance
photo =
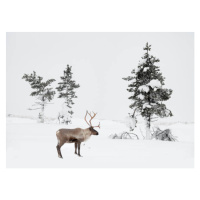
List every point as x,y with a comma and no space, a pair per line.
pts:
58,149
59,152
79,146
76,145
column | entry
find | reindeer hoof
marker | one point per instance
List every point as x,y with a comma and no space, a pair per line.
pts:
80,155
60,156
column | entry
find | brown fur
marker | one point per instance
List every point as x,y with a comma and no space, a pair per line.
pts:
76,136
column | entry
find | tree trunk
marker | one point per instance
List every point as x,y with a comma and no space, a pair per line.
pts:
148,132
148,119
42,114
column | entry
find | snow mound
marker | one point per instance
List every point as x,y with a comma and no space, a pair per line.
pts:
130,122
99,151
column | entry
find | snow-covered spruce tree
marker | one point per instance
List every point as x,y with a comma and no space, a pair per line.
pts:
147,92
42,91
66,91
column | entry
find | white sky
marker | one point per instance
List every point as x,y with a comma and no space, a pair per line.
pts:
99,61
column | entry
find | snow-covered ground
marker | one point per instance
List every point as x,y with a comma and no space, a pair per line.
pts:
30,144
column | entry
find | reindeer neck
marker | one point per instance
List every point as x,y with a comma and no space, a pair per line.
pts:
86,133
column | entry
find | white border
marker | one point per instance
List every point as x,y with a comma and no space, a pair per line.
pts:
86,16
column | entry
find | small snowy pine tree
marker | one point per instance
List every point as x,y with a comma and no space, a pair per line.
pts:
43,92
147,92
66,90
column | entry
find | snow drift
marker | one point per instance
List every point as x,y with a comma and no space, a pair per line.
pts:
30,144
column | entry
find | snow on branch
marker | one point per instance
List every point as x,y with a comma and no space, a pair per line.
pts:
144,88
146,105
141,96
145,69
154,83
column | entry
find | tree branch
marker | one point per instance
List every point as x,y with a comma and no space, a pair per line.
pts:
34,108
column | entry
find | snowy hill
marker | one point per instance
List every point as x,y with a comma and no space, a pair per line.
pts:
30,144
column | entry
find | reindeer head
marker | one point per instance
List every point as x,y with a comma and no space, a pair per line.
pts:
91,128
93,131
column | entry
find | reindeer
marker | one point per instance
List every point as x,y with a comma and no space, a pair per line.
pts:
76,135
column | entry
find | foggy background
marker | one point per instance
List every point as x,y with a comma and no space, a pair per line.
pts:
99,62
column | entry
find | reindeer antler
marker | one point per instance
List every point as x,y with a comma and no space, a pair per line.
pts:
92,117
85,118
97,126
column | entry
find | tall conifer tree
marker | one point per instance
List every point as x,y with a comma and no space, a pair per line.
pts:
42,91
66,91
147,92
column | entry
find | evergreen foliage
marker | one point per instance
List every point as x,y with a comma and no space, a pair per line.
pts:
66,91
146,88
42,91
